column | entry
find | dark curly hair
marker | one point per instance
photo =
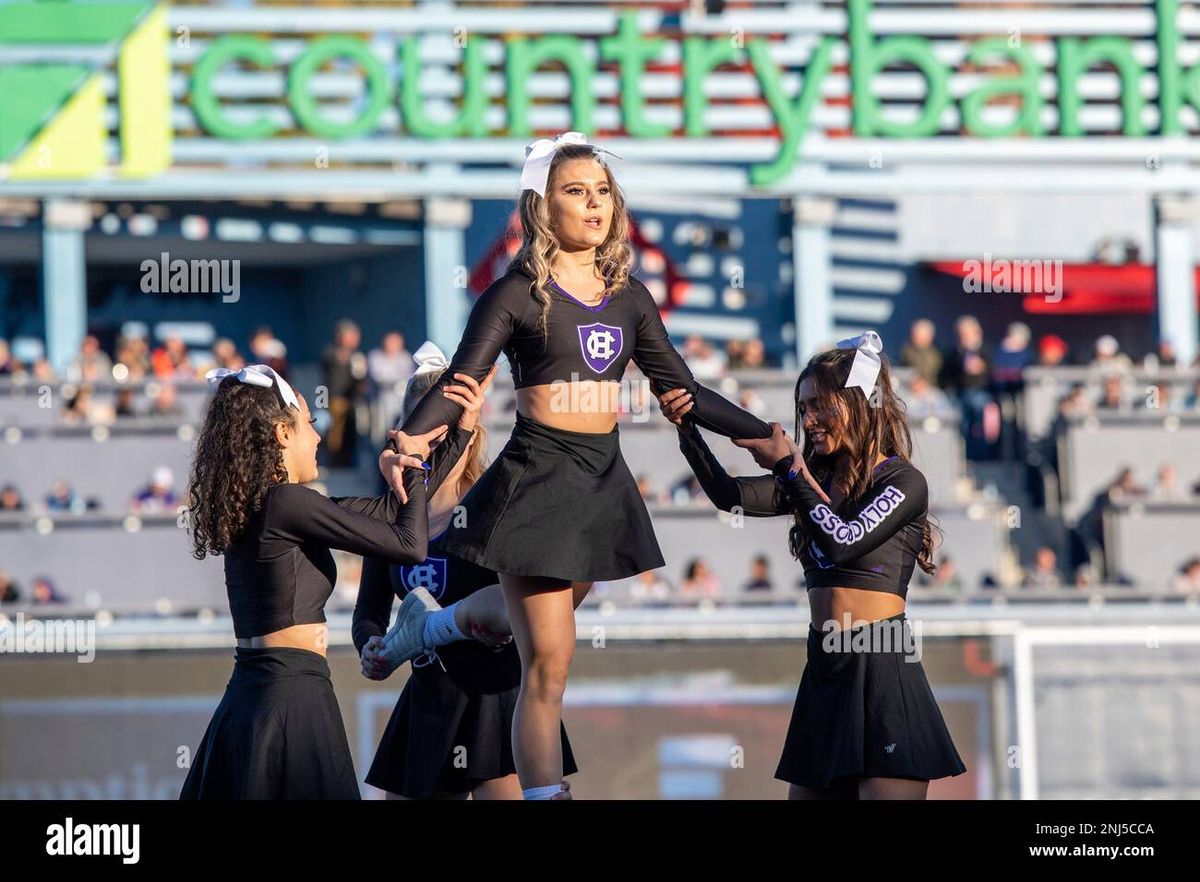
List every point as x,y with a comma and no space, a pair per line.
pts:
867,427
237,460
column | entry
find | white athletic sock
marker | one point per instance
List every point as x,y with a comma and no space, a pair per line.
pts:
547,792
440,628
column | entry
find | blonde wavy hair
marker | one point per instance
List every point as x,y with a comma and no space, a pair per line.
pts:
539,243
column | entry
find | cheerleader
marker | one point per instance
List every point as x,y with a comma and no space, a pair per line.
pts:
558,508
450,733
277,732
865,724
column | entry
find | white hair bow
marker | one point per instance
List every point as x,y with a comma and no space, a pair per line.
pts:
429,358
254,375
865,369
540,154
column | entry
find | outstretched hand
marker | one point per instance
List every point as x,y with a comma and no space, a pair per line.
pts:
768,451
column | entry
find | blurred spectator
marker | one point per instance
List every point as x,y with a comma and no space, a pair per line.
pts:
91,364
1125,487
1109,355
705,360
920,354
224,355
389,367
1085,576
750,400
133,358
698,580
126,403
1112,394
1044,573
1193,399
945,575
158,495
1076,403
650,585
43,591
1163,356
1166,488
1189,576
344,372
966,373
735,353
7,365
646,489
760,579
924,400
8,588
1052,351
61,497
82,408
752,355
1012,358
166,402
686,491
172,359
10,498
266,348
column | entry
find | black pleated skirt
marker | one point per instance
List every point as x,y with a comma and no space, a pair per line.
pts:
451,730
866,714
277,733
557,504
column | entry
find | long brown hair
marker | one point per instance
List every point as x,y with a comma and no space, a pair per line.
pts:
237,460
539,244
417,386
867,427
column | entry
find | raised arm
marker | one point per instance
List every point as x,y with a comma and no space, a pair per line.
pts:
379,526
758,497
373,607
666,370
887,507
489,327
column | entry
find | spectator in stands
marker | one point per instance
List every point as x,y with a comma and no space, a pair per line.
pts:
10,498
1188,579
946,575
920,353
1163,356
133,358
687,491
705,360
266,348
924,400
158,495
1109,354
344,372
735,353
126,403
91,364
753,355
1112,394
1085,576
698,580
750,400
44,591
172,359
82,408
651,586
1044,573
1166,488
8,588
62,498
966,373
1076,403
166,402
760,577
1193,399
646,489
1052,351
224,355
1125,487
389,367
1011,359
7,365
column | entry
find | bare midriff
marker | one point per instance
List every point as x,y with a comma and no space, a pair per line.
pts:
578,406
857,604
314,638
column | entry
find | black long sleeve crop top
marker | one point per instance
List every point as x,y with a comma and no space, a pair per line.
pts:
582,343
870,541
280,572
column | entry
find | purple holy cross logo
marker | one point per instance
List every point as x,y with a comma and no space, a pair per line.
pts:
429,574
600,344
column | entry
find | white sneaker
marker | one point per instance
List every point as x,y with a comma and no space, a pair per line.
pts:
405,640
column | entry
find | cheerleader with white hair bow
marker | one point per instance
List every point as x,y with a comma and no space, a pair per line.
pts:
865,724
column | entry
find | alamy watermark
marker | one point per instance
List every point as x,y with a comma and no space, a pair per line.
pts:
894,635
1003,276
195,276
69,636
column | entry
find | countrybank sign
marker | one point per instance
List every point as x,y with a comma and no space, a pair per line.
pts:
55,126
